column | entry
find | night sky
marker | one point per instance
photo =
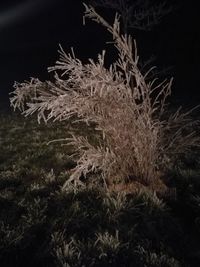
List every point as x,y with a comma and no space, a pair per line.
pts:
31,30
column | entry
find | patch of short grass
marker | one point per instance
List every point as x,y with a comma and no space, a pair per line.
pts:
40,225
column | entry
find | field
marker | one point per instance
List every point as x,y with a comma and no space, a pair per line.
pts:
40,225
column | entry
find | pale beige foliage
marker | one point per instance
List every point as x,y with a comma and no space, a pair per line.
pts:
137,137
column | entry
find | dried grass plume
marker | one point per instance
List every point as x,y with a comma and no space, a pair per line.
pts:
137,137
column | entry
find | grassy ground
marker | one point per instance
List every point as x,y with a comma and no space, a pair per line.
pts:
42,226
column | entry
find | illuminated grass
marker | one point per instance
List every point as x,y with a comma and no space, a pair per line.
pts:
42,226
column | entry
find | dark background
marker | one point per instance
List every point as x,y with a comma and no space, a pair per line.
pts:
31,30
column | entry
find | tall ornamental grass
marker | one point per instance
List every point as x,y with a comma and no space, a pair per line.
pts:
137,135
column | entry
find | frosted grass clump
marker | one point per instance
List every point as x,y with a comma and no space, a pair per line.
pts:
137,137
